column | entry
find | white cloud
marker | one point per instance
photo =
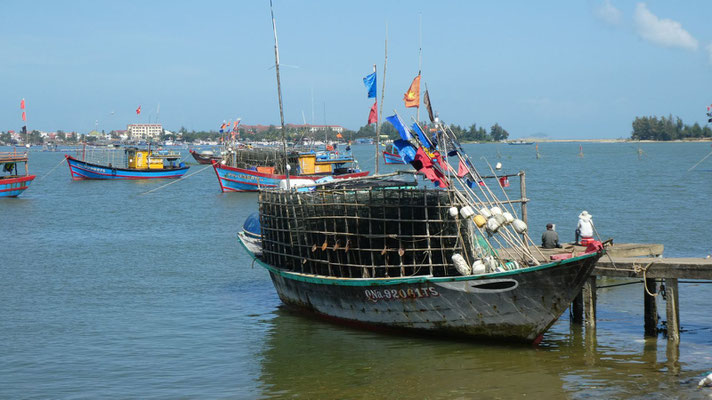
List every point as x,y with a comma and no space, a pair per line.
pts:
609,13
663,32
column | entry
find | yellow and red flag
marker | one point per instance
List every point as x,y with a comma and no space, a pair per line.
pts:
412,96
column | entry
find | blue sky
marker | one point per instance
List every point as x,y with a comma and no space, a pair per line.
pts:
565,69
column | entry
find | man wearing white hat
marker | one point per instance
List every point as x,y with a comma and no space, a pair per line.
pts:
584,229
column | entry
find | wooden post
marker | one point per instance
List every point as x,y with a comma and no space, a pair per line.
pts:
673,310
650,308
589,298
577,309
523,193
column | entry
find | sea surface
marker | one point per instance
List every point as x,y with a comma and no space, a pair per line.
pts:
107,291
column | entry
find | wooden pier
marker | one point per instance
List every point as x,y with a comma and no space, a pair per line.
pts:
643,261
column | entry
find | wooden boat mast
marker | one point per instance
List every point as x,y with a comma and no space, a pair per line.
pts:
279,93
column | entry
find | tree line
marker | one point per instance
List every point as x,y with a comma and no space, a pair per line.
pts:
471,134
654,128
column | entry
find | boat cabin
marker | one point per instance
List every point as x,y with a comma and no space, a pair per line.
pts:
9,165
146,159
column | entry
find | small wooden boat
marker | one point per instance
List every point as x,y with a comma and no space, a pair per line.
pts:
12,181
391,156
247,170
520,142
205,156
139,164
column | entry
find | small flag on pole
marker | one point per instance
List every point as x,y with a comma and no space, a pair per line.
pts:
24,117
370,82
426,101
412,96
373,114
138,110
22,105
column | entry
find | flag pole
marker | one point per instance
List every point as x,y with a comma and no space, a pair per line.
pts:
279,93
380,111
420,61
377,148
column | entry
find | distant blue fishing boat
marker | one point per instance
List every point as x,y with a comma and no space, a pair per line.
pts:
391,156
139,164
13,182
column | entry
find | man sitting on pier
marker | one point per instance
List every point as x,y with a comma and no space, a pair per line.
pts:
550,239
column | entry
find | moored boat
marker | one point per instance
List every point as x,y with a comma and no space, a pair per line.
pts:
391,156
205,156
12,181
137,164
246,169
384,253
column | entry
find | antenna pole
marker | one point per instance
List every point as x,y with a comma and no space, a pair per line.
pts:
279,93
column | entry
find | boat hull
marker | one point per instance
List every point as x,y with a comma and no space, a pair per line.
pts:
233,179
13,187
514,306
81,170
390,158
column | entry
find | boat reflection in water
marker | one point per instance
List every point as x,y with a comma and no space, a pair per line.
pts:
308,358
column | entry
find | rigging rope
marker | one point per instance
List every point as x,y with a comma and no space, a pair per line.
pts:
177,180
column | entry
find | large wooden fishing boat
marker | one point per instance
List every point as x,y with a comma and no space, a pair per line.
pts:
136,164
248,169
385,253
13,181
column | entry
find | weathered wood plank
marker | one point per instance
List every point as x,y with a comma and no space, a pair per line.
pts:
631,267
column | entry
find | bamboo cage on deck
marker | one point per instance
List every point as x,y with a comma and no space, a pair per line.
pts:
373,233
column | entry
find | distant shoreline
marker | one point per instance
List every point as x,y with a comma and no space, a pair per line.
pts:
703,140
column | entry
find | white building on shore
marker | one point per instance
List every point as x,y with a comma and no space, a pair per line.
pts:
144,131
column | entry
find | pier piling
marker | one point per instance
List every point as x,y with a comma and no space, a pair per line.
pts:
650,307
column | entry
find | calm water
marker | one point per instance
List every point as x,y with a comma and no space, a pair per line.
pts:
108,293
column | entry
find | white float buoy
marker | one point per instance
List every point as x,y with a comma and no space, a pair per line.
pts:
485,212
498,166
453,212
519,226
706,381
467,212
461,265
508,217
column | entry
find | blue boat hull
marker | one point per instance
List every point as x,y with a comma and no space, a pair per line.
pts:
233,179
391,158
13,187
84,170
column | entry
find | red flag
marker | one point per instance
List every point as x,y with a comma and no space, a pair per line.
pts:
462,169
22,105
373,115
138,110
425,161
412,96
24,117
503,181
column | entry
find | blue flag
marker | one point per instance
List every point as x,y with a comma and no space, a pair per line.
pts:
400,126
370,82
421,135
